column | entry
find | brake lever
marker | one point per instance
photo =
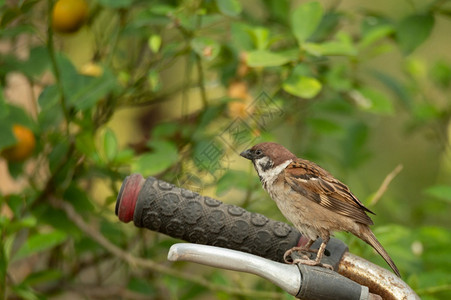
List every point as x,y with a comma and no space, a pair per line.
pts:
301,281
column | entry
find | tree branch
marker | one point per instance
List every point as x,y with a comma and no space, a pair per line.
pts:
388,179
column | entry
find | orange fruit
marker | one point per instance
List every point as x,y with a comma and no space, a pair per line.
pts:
237,109
69,15
24,147
238,90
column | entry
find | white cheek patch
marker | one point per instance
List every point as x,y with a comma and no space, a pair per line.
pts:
268,175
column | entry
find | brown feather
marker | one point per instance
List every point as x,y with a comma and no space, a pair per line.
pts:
368,236
317,184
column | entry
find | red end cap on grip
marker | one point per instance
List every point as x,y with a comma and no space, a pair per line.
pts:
128,195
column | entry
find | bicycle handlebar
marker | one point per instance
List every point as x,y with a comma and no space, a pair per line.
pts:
160,206
186,215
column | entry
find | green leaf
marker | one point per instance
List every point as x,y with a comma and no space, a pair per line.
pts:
57,154
15,203
3,262
93,89
395,86
441,73
16,30
15,169
110,145
84,143
426,111
264,58
338,77
305,19
164,155
25,292
413,30
154,43
68,73
83,92
40,242
4,107
374,35
374,20
124,156
302,86
165,130
7,137
342,46
37,62
42,277
205,47
55,218
51,113
373,101
231,8
27,222
260,37
17,115
279,10
329,24
442,192
241,37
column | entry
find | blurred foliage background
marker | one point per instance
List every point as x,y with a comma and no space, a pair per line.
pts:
176,89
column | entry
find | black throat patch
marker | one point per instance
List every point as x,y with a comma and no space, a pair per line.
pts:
265,165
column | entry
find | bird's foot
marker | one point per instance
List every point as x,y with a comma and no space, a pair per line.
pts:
310,262
299,249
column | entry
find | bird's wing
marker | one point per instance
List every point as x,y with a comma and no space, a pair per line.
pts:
317,185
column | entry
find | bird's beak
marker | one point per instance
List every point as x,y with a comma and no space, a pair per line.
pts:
246,154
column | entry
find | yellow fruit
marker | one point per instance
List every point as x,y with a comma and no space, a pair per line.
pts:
91,69
69,15
24,147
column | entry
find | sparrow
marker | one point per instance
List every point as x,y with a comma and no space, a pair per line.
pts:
312,199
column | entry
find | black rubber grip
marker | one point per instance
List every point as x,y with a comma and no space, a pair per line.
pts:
321,283
183,214
160,206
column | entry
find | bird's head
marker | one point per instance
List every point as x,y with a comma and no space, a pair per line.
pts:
267,156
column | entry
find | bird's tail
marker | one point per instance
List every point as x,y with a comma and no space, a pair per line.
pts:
368,236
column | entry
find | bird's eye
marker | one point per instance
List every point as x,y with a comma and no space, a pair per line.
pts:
258,152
